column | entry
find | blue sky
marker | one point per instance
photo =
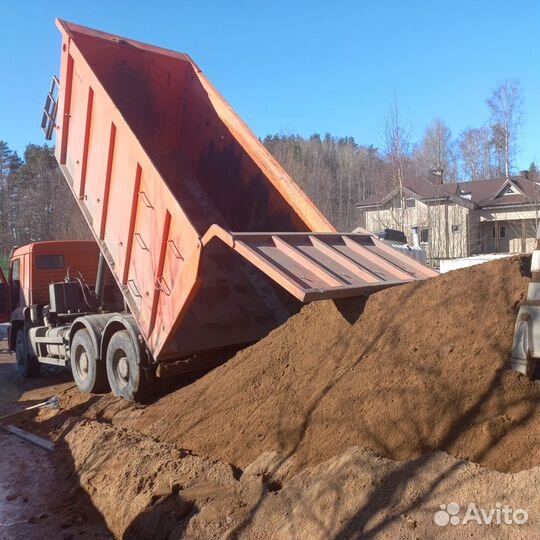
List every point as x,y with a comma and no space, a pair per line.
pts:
305,66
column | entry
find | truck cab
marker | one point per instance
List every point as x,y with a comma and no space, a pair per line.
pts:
66,309
32,268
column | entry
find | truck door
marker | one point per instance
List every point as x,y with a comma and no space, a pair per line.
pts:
5,310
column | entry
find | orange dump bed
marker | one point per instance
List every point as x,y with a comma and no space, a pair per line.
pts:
201,227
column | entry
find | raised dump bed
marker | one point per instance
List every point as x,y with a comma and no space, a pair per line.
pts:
211,242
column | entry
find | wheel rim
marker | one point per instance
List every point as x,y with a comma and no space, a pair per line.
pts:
81,363
120,365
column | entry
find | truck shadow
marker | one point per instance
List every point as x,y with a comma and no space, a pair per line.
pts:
51,380
65,508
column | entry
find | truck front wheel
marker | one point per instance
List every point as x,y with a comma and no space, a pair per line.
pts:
126,376
89,373
27,365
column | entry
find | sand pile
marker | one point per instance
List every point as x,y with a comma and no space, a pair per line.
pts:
149,490
291,438
417,368
134,483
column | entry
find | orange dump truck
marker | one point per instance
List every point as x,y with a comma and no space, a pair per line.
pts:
206,244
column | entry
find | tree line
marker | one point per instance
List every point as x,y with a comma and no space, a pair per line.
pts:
35,202
336,172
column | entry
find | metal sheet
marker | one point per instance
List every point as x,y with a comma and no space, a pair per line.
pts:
316,266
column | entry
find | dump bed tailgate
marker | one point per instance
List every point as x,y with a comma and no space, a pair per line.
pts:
316,266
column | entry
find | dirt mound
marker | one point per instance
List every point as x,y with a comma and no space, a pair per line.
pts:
417,368
358,495
305,415
146,489
149,490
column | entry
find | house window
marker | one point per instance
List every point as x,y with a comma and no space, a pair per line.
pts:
455,228
424,236
502,231
411,203
510,190
398,202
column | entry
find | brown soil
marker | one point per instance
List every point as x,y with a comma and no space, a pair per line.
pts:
304,416
132,479
418,368
40,497
154,491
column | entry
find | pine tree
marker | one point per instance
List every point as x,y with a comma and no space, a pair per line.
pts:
7,163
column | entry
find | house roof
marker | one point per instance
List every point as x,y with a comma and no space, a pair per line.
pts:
476,194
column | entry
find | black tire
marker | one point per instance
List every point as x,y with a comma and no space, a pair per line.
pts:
126,375
27,365
89,373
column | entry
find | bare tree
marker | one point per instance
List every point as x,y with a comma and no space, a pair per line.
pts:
476,154
397,139
436,151
506,108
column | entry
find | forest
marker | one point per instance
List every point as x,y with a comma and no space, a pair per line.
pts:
35,203
336,172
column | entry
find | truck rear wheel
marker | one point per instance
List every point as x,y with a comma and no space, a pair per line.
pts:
89,373
126,375
27,365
